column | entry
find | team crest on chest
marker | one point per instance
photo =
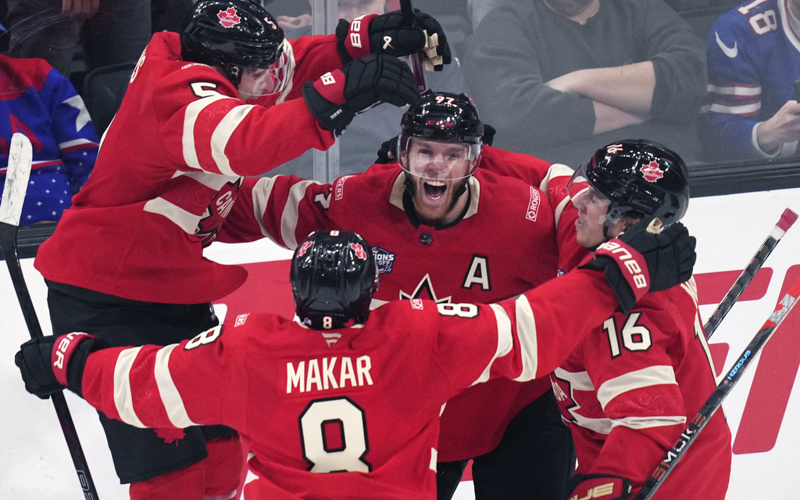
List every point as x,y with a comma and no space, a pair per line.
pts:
424,288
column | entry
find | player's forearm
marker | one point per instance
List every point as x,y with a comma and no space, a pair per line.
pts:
629,88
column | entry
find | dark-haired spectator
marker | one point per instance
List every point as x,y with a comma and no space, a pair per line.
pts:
753,62
560,78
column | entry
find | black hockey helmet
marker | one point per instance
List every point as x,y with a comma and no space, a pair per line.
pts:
231,34
640,178
442,116
333,277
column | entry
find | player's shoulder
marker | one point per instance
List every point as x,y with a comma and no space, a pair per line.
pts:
511,199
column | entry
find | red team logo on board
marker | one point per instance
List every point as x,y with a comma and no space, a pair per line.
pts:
652,172
229,18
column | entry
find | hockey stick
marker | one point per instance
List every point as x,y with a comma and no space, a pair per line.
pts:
416,61
17,175
722,390
787,219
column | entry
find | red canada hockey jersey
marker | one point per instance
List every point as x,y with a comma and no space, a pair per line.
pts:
168,171
633,384
504,246
364,399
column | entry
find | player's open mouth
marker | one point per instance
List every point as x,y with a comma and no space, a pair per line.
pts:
434,189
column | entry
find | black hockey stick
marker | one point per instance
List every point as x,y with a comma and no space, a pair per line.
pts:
722,390
787,219
17,175
416,60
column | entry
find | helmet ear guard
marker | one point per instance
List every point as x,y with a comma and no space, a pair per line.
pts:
333,276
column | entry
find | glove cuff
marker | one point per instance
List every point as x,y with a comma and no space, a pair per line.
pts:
601,487
354,41
328,114
631,264
69,359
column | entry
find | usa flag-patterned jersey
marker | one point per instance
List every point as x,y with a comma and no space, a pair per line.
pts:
753,61
633,383
41,103
363,400
168,172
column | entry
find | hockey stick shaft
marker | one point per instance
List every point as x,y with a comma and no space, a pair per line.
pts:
416,60
712,404
10,211
787,219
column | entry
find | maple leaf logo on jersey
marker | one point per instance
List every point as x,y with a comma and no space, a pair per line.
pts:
652,172
229,18
359,250
425,286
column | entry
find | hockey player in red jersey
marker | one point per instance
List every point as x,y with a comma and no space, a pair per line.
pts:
218,101
629,387
343,402
445,228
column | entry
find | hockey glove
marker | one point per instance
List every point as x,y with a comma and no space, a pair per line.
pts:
395,35
638,261
600,486
336,97
50,363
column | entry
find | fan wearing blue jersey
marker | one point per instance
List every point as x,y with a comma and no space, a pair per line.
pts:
753,62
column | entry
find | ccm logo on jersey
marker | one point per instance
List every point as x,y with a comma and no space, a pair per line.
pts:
624,257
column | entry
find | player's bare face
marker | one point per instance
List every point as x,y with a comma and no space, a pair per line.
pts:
592,209
351,9
437,171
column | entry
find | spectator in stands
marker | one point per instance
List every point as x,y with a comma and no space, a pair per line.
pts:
41,103
560,78
753,62
367,131
110,31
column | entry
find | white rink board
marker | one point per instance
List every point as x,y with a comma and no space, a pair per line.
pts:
35,463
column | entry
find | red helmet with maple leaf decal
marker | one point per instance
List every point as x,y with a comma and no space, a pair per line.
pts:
233,35
639,178
334,276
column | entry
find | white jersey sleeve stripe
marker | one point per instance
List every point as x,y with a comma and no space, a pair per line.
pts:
526,332
578,381
261,193
170,396
193,110
222,134
291,211
648,422
122,387
504,340
646,377
737,90
180,217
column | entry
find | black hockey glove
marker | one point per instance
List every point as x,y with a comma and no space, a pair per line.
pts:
600,486
393,34
50,363
336,97
638,261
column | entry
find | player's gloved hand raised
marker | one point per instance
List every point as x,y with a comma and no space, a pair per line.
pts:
336,97
394,34
638,261
600,486
48,364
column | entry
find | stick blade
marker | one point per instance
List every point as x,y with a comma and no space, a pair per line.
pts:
20,157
